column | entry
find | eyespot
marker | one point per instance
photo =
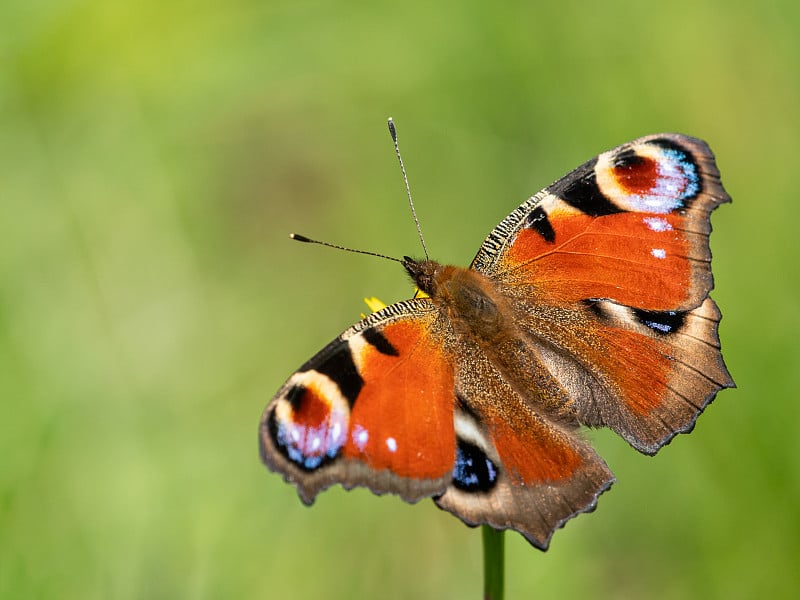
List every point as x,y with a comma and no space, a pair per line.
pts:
309,424
473,471
654,177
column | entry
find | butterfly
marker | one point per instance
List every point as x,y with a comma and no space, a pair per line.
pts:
587,306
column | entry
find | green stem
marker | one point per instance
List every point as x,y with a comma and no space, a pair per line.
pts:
493,559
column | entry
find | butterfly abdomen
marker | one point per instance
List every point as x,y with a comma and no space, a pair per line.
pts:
478,314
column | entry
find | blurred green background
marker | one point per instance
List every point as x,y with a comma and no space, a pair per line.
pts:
155,155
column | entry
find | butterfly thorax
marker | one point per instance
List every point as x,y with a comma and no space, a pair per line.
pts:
469,298
477,314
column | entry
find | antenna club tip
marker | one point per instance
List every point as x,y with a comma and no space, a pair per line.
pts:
298,237
392,129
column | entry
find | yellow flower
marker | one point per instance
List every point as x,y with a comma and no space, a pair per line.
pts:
376,304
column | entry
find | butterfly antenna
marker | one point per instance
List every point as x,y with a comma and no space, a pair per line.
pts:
393,133
306,240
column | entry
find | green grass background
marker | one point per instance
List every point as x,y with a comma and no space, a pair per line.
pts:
155,155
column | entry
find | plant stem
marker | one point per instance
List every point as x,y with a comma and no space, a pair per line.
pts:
493,563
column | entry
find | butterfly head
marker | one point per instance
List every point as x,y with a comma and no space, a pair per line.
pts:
424,273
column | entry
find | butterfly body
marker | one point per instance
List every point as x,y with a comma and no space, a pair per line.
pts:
587,306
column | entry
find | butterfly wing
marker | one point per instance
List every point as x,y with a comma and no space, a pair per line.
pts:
374,408
516,467
608,272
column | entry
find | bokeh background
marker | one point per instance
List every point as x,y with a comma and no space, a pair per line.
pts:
155,155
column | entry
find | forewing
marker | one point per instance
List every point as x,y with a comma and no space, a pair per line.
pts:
374,408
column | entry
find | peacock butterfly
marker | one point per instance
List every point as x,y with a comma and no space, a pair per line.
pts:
588,306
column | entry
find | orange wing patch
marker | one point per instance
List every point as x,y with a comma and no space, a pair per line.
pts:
638,364
403,418
634,259
538,454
